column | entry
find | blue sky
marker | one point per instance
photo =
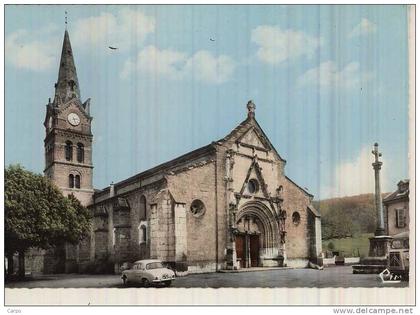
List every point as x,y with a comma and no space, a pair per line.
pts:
328,82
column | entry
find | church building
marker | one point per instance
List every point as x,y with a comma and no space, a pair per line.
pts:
227,205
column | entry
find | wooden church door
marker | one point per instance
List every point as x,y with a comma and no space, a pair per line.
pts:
240,249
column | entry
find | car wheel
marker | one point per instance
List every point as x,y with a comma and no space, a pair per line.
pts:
167,283
124,280
145,283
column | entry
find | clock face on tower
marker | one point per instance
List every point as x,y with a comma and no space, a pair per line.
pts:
73,119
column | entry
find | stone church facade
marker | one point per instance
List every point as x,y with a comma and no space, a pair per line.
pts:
227,205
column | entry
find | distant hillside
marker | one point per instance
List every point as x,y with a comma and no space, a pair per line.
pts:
347,216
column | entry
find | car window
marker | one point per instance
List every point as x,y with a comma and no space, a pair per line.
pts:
154,265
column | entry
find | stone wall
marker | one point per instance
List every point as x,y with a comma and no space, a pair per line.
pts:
118,218
60,174
62,123
181,236
34,261
198,183
162,227
310,234
297,237
60,168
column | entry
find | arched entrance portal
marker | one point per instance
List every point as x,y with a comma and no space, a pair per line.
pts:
257,239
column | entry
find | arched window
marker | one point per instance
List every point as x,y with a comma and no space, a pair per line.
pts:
142,233
296,218
80,152
71,181
77,181
69,150
142,212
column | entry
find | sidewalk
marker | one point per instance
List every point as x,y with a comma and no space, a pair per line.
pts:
251,269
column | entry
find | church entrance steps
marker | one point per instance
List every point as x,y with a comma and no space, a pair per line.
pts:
254,269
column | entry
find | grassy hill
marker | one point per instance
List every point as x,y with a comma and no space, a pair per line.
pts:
350,246
347,223
347,216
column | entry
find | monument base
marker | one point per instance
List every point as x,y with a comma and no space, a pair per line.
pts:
377,260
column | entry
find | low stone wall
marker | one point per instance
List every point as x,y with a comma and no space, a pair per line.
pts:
347,260
351,260
329,261
204,268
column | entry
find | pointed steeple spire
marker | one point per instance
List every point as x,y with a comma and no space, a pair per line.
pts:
67,86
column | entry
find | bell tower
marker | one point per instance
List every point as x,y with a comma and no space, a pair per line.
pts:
68,136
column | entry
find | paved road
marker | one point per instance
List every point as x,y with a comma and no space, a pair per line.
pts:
329,277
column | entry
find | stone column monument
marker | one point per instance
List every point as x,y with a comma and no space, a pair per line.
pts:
380,229
379,244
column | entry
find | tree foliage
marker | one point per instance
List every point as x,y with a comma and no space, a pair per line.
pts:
38,215
331,246
347,216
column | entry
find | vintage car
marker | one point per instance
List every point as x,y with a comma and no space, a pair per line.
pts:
398,263
148,272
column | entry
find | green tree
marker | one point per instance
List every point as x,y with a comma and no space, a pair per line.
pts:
347,216
38,215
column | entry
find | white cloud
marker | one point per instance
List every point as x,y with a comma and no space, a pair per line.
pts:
277,45
172,64
365,27
168,63
127,27
39,50
32,50
209,68
327,75
356,177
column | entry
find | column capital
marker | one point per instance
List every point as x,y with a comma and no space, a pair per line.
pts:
377,165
